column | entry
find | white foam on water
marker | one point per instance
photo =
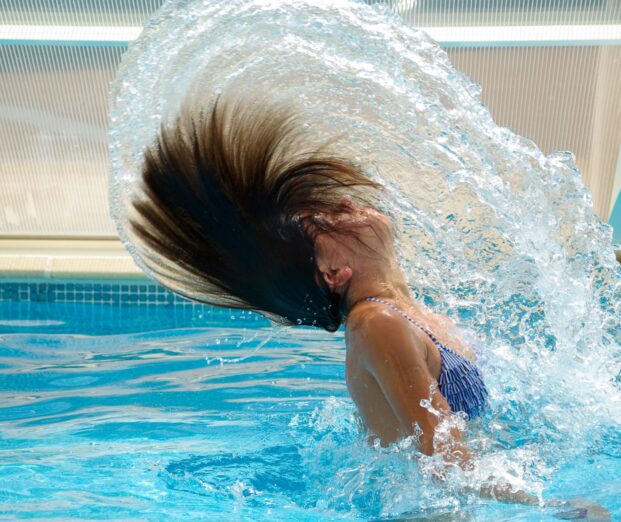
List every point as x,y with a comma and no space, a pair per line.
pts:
491,231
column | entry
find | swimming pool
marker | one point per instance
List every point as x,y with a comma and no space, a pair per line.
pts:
129,412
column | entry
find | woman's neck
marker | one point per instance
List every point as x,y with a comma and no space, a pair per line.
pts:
386,282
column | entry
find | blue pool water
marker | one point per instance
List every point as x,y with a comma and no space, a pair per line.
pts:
238,421
126,413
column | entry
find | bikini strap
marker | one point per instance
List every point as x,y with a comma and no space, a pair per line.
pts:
406,316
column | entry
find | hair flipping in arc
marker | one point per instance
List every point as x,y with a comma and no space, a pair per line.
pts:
219,218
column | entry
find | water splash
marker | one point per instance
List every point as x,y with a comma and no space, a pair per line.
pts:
492,232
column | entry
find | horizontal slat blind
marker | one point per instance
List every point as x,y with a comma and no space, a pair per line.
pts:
53,100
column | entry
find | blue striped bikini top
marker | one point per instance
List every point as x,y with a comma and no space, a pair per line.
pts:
460,380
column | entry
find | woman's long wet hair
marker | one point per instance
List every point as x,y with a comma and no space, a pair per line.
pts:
224,214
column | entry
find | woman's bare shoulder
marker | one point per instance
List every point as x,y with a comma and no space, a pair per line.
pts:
368,317
372,325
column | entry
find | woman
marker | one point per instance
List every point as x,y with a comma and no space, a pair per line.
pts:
234,215
399,373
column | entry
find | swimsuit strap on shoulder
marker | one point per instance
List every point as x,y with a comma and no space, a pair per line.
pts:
406,316
460,381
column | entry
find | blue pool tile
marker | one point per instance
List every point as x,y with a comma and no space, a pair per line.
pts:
91,292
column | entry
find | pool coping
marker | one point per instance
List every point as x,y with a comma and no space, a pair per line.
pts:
56,259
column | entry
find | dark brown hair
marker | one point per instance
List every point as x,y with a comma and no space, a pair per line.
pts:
219,217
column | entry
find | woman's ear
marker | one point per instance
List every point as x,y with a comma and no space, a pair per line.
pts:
332,261
336,278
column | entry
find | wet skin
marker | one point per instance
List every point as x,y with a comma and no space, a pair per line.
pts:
391,366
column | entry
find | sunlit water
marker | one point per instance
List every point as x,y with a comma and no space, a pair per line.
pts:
220,417
491,231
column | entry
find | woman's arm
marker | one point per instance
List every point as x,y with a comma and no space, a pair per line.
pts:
397,359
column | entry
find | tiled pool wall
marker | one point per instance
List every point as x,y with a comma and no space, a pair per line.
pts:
107,306
92,292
